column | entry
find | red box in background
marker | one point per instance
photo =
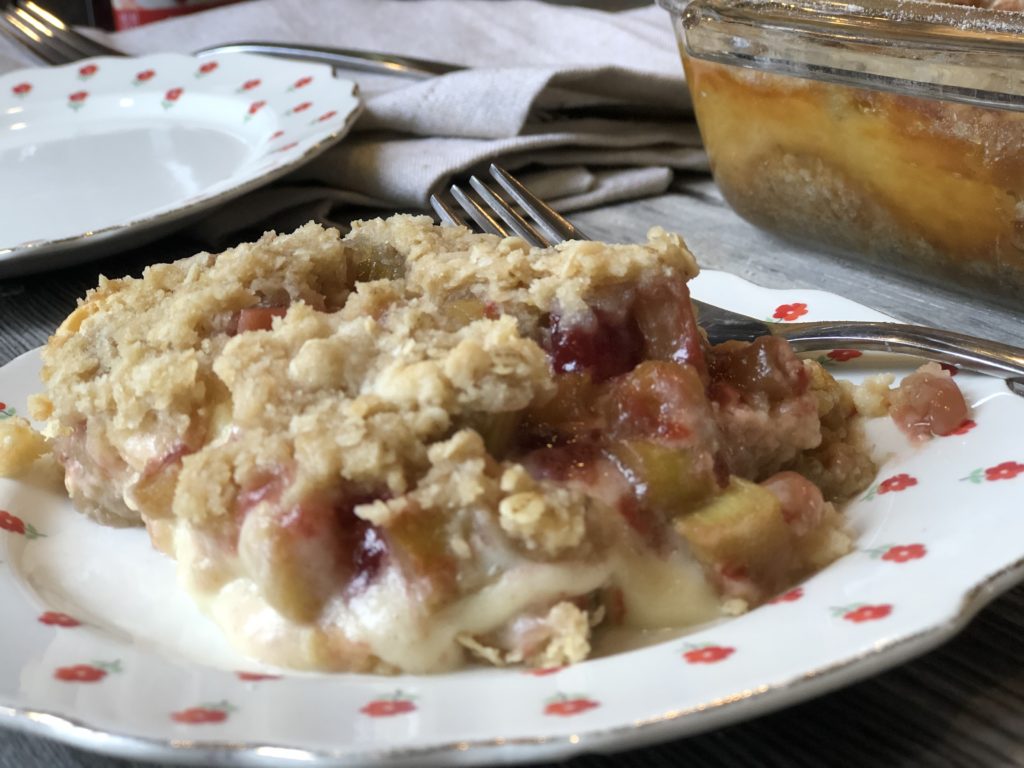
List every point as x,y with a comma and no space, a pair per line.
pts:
134,13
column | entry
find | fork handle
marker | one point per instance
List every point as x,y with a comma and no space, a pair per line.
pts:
343,58
970,352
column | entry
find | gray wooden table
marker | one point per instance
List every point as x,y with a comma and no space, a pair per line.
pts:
961,705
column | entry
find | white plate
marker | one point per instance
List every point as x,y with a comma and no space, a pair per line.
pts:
144,675
107,153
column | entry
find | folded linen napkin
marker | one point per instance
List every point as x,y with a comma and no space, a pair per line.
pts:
538,74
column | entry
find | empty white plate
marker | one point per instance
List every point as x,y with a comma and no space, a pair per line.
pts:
107,153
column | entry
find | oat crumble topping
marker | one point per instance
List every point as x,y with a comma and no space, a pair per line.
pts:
385,451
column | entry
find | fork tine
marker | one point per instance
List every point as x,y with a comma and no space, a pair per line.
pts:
24,35
477,212
84,46
556,226
78,45
445,212
515,222
41,29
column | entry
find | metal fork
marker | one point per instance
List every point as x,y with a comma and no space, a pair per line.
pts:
543,226
47,36
51,39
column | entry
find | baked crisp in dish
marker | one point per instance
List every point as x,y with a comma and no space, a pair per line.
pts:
861,151
415,445
912,183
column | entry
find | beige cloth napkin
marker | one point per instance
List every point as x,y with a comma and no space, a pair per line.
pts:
539,73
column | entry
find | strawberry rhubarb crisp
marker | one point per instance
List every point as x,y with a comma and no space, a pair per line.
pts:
414,445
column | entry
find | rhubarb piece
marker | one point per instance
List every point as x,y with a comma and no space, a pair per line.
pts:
258,318
668,325
660,400
597,341
928,402
742,535
670,481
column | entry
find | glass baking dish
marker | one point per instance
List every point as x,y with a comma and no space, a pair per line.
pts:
890,130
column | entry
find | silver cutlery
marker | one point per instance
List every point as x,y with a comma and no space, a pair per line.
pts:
340,58
540,225
49,38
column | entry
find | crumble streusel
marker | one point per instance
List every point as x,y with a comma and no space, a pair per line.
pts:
415,444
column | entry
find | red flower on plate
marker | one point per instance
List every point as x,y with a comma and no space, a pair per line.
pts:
544,671
88,70
396,704
256,106
896,483
301,107
256,676
302,82
196,715
80,673
15,524
867,613
842,355
57,619
87,673
207,68
964,428
790,311
326,116
1005,471
788,597
276,135
77,99
205,713
145,75
248,85
286,147
903,552
11,523
174,94
22,89
709,654
566,706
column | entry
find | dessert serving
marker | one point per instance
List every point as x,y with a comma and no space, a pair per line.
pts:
889,130
416,446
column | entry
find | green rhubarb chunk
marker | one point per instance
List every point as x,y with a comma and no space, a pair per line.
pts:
668,479
385,263
740,530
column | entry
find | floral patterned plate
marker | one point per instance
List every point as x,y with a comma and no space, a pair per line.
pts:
110,152
99,649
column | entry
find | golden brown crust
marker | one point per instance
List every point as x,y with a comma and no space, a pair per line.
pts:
927,186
